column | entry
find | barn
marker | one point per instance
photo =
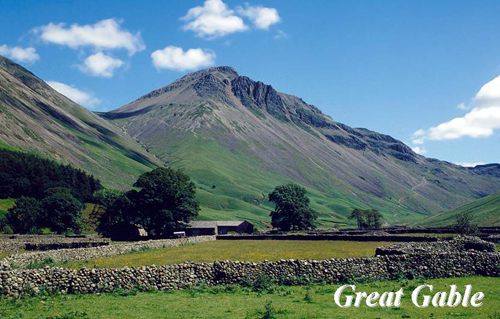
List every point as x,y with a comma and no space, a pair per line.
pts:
199,228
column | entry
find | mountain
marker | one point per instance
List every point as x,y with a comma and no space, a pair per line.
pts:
485,212
239,138
35,117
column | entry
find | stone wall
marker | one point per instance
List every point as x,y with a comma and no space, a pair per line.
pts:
458,244
24,259
431,263
16,282
12,243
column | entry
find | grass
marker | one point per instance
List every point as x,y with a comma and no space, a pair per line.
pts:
237,302
242,250
485,212
6,203
233,185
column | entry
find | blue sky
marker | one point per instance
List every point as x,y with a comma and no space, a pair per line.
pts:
421,71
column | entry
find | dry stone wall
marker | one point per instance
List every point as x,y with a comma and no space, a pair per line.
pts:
17,282
435,262
24,259
11,243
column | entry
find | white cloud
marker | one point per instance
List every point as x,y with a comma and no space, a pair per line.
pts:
19,54
105,34
481,121
175,58
74,94
100,64
462,106
213,20
470,164
418,141
419,150
261,17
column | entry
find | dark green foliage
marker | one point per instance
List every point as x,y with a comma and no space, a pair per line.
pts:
25,216
27,174
292,211
465,226
4,225
103,200
61,212
121,210
165,202
367,218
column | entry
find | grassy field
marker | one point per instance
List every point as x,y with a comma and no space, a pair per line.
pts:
242,250
237,302
485,212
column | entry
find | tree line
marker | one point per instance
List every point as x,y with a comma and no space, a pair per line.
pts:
28,174
48,194
51,195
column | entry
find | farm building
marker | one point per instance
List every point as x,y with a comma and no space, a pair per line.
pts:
198,228
125,232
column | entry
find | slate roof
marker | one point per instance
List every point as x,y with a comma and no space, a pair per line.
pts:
214,224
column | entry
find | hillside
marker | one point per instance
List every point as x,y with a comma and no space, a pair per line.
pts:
35,117
485,212
239,138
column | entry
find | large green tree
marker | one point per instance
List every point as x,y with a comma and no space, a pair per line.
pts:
61,212
292,211
164,201
24,217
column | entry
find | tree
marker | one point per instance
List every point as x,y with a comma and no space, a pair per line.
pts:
164,202
465,226
367,218
121,210
360,217
61,213
374,219
24,216
103,199
292,211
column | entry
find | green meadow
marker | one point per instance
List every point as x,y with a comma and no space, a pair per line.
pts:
247,302
241,250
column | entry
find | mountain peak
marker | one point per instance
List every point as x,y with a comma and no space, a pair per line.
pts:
218,71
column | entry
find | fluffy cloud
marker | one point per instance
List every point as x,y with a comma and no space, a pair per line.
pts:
105,34
100,64
419,150
19,54
261,17
74,94
470,164
175,58
213,20
481,121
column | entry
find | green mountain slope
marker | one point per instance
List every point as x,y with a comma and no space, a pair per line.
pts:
485,212
35,117
239,138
